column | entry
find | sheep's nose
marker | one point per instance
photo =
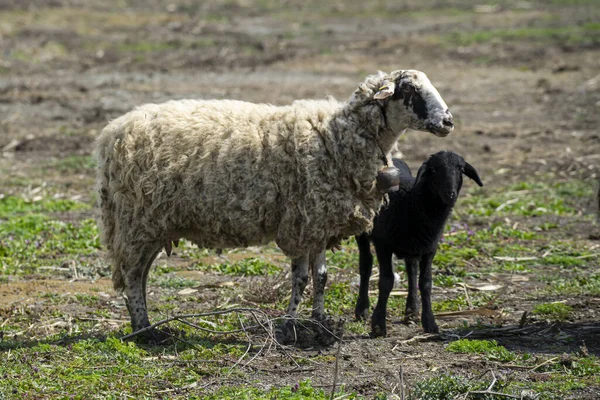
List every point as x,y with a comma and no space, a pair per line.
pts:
450,195
448,120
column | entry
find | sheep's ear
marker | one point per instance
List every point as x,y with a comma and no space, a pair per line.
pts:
385,91
472,173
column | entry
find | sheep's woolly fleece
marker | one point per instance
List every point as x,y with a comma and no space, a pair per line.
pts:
225,173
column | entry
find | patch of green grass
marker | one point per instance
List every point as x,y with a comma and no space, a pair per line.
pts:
446,281
489,348
301,390
554,311
81,369
248,267
586,34
347,257
579,285
27,242
527,199
75,164
340,299
445,387
174,282
11,205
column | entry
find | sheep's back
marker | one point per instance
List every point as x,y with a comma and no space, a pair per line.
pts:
224,173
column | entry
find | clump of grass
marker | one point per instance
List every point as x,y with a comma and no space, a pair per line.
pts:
489,348
582,284
247,266
554,311
175,282
13,205
300,390
528,199
445,387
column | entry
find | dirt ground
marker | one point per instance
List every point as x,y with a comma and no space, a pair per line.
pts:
521,78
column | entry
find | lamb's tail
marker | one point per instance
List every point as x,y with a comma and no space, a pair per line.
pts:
107,223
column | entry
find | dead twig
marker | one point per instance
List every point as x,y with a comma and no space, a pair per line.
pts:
336,370
544,363
185,316
401,383
489,390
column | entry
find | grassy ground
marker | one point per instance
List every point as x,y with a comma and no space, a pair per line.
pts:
516,279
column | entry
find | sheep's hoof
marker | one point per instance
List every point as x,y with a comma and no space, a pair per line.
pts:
155,336
310,332
287,333
329,330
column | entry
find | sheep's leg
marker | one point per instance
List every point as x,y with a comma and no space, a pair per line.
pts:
299,281
386,284
146,272
412,301
318,263
366,267
427,318
135,274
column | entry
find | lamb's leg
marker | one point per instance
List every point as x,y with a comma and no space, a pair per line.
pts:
427,318
412,301
318,263
366,267
386,284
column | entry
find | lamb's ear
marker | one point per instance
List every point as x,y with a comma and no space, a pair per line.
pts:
420,172
386,90
471,172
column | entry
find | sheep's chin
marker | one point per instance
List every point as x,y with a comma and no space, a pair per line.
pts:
440,132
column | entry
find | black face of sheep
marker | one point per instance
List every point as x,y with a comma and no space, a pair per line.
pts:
411,90
443,175
410,227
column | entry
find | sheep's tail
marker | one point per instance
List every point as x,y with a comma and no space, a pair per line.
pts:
107,223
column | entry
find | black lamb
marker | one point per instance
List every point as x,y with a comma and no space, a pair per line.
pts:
411,227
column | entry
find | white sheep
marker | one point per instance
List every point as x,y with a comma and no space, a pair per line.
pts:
225,173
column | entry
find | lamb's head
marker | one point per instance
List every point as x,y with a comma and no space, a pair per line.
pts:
442,174
408,100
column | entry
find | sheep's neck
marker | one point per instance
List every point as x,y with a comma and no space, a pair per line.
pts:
428,214
369,123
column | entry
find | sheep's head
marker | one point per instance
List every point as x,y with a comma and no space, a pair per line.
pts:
442,173
409,101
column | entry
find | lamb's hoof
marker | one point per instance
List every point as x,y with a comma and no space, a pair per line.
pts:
411,317
378,329
429,325
361,314
431,328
